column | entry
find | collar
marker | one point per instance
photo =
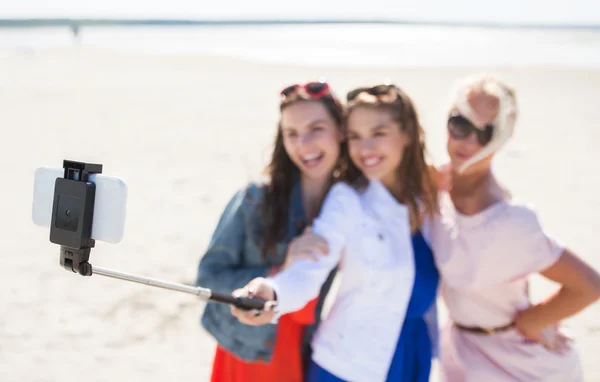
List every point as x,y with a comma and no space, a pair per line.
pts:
383,203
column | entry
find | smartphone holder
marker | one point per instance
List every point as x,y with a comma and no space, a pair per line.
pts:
73,214
71,229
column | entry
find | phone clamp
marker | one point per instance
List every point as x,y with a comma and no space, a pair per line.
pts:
73,214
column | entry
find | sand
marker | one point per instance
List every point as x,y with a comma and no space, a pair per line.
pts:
185,132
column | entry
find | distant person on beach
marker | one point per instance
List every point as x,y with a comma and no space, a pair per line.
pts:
75,29
382,324
255,238
486,244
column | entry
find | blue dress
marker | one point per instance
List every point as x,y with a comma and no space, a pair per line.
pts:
412,358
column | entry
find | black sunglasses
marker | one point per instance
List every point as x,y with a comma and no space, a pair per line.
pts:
377,90
460,128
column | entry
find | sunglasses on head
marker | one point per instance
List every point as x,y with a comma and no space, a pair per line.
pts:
377,90
460,128
312,89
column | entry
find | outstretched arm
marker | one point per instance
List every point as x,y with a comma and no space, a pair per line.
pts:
301,282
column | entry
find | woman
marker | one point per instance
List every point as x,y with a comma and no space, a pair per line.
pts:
375,330
486,245
255,230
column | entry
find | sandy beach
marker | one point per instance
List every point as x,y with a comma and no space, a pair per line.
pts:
185,132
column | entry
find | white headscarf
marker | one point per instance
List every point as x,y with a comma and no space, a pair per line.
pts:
504,123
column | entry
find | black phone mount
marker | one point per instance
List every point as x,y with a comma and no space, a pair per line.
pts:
73,214
71,229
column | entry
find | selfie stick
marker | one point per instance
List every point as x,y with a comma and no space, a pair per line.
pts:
71,228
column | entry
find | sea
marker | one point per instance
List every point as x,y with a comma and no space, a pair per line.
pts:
403,33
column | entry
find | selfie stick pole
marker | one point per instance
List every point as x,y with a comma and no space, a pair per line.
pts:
71,228
203,293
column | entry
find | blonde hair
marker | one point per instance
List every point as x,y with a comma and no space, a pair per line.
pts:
504,123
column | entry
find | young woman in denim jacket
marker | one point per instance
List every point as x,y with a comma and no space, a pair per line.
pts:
378,328
255,231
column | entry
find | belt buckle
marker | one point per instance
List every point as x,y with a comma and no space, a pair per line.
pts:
489,331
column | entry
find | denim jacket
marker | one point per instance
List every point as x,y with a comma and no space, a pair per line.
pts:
234,257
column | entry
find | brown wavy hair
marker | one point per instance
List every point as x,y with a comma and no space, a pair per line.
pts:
418,186
283,173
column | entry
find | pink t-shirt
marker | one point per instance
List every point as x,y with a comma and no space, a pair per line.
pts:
484,260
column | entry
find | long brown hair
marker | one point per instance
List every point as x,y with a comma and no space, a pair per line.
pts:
419,190
283,173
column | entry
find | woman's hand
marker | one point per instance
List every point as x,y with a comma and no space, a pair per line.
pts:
306,246
256,288
485,106
550,337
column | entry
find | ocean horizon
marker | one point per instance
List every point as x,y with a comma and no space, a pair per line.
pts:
405,33
426,46
509,12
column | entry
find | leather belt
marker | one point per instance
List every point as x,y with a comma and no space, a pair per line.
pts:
485,331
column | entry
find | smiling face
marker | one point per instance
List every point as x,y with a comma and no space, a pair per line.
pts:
463,145
311,138
376,143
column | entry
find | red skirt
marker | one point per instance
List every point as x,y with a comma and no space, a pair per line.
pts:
286,363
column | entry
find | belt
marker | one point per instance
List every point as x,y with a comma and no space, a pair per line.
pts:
485,331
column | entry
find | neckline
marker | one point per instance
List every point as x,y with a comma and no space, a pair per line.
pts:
481,216
383,202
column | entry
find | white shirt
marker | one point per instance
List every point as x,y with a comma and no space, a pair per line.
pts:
358,338
484,260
